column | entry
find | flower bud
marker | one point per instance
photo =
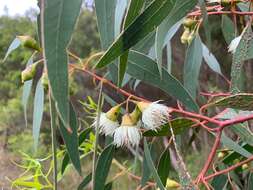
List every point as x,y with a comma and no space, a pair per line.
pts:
228,2
127,121
113,113
135,115
29,42
29,72
44,81
189,22
190,37
185,36
245,166
172,184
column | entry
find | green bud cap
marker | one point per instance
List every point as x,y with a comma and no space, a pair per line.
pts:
29,72
185,36
245,166
135,115
142,105
44,81
127,121
29,42
113,113
172,184
190,37
189,22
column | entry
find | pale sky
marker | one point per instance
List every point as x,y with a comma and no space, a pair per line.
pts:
17,6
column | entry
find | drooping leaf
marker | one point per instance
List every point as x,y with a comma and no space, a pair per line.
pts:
211,60
59,20
178,10
152,166
103,167
85,182
143,68
192,66
228,28
38,112
164,166
133,11
71,139
239,57
83,135
27,91
14,45
142,26
241,101
178,125
105,11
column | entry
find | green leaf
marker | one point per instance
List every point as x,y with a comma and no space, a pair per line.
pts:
108,186
230,144
120,9
178,125
103,167
211,60
59,20
152,166
14,45
133,11
192,65
244,133
143,68
169,57
164,166
71,139
83,135
238,59
241,101
37,112
178,9
228,28
27,91
250,182
105,11
141,27
85,182
219,182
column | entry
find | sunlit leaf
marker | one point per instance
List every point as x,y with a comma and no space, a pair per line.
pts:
14,45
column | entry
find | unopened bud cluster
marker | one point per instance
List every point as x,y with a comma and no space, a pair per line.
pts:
148,115
189,30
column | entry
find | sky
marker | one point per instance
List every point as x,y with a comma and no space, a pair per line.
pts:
15,7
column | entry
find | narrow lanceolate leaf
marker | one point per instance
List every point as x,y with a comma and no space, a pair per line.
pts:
219,182
103,167
241,101
38,112
178,125
178,10
238,58
71,139
59,20
14,45
133,11
152,166
143,68
120,9
228,28
142,26
85,182
192,66
164,166
105,11
26,91
211,60
245,134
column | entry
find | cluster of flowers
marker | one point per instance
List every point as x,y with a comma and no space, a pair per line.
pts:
152,115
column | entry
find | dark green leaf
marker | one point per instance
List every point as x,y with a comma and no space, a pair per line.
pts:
228,29
219,182
152,166
164,166
192,65
143,68
27,90
133,11
178,9
59,19
178,125
85,182
103,167
241,101
244,133
38,112
108,186
250,182
142,26
71,139
14,45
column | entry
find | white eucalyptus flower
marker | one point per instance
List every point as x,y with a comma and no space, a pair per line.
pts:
128,133
108,121
234,44
213,1
154,114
